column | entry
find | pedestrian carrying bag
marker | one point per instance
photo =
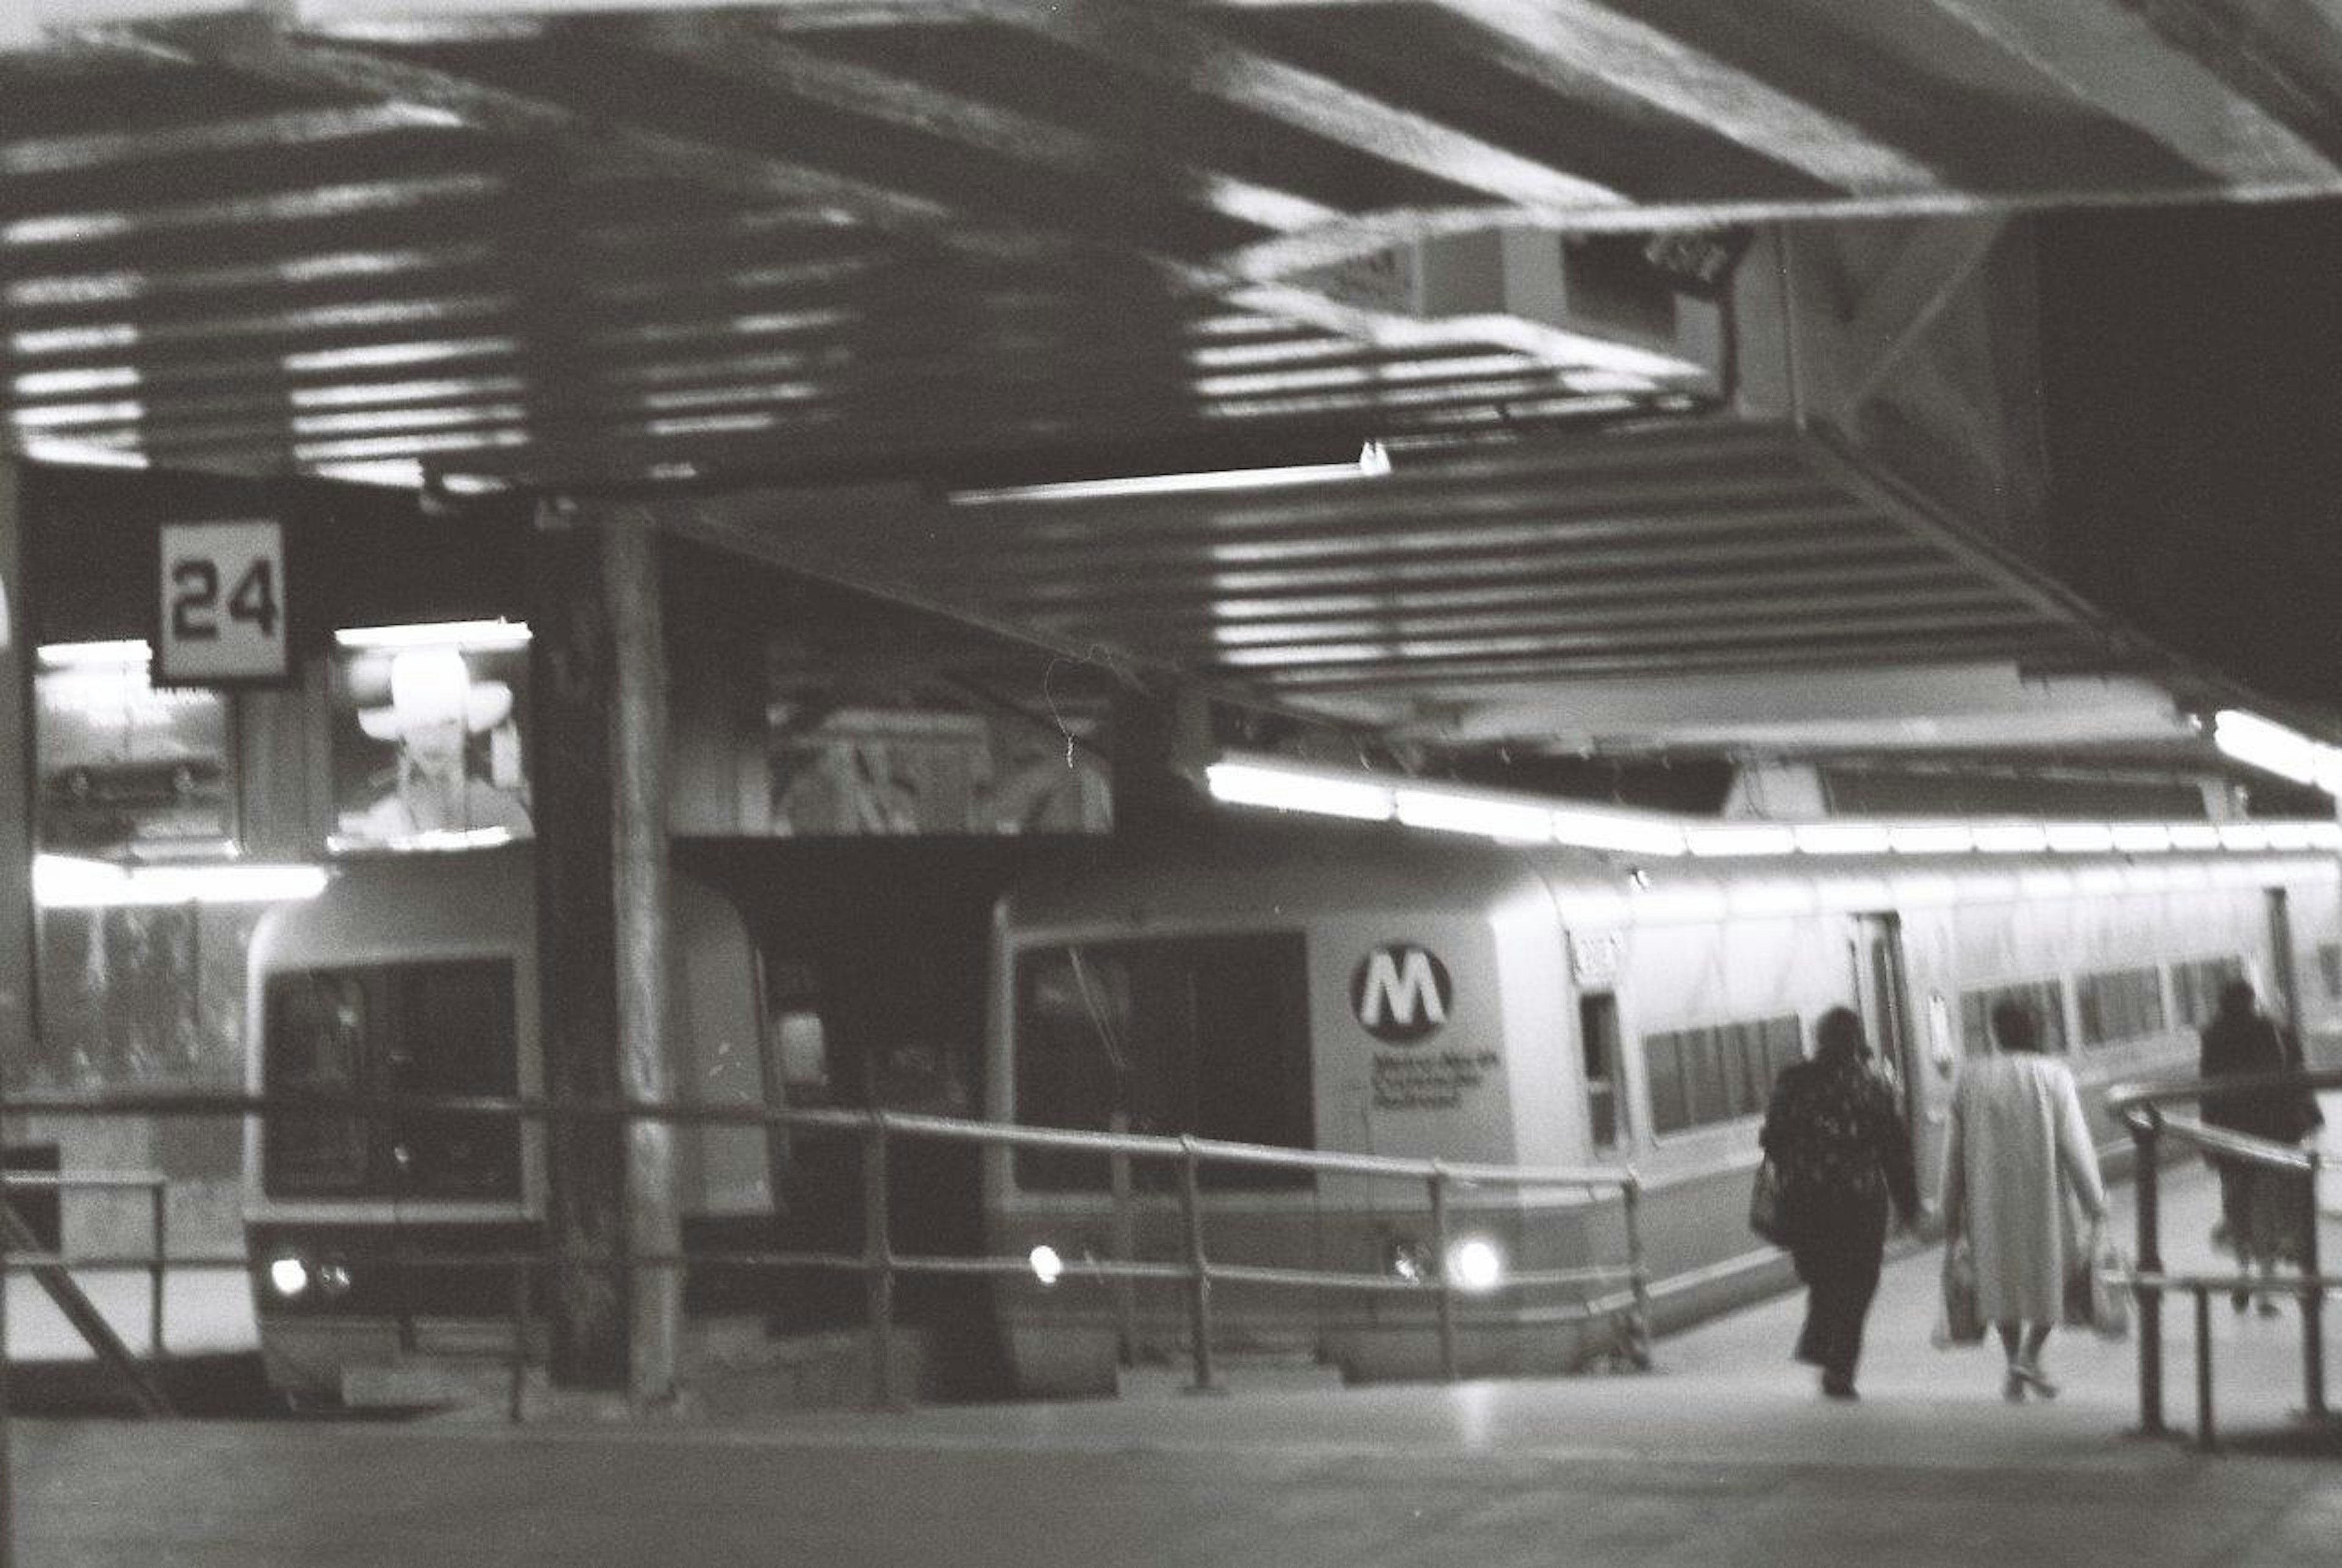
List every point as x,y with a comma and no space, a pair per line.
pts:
1961,1320
1767,1213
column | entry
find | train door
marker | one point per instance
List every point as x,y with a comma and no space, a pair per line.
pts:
1884,1000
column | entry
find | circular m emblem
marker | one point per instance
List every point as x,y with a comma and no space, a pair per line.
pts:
1401,993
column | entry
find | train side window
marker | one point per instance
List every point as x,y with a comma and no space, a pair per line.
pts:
2196,987
1700,1077
1597,1035
2045,999
2118,1005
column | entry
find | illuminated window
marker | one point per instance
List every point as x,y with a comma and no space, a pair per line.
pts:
2119,1005
1720,1073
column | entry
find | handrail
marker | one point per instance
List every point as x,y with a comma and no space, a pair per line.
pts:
2139,1105
157,1188
880,1264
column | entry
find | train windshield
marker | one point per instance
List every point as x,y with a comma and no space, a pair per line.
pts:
1202,1035
405,1029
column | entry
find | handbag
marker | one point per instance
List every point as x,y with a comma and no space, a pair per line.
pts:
1960,1320
1767,1210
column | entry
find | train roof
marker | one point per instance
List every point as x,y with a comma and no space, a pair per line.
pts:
1255,870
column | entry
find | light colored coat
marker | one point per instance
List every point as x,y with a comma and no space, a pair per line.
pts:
2018,1152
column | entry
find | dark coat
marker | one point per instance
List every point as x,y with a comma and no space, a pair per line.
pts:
2236,1046
1842,1154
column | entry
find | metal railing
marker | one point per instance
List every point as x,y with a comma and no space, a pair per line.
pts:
2140,1106
1627,1304
157,1188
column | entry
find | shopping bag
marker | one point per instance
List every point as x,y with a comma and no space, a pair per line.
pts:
2105,1305
1960,1321
1767,1213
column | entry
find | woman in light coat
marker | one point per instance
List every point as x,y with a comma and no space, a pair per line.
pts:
2019,1147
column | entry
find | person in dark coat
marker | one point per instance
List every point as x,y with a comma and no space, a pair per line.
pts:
2264,1213
1842,1155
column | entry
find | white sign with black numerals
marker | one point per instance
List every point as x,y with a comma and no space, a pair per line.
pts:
223,603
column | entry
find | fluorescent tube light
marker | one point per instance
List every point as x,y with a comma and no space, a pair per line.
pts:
437,634
1280,789
1373,462
1740,840
2287,835
1841,838
1617,832
2142,837
115,655
2243,835
1931,838
2012,838
1514,822
2195,836
2257,742
2080,837
63,882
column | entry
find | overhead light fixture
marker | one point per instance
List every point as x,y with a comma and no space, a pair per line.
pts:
128,654
1512,822
1621,832
1842,838
65,882
1372,463
1741,839
437,634
1285,789
2256,742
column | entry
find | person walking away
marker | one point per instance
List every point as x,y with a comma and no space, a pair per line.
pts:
2017,1155
2265,1213
1842,1155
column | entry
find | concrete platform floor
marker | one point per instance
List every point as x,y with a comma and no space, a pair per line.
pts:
1724,1456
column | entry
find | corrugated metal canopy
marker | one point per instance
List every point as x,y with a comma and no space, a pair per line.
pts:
578,248
544,243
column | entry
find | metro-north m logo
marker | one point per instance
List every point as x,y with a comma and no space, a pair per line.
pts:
1401,993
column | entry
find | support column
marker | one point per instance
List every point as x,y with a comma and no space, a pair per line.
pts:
16,770
599,676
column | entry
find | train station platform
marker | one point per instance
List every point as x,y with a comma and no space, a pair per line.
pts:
1723,1455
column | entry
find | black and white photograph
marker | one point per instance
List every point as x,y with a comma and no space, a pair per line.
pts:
1170,784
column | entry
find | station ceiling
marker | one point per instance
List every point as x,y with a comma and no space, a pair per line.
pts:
546,245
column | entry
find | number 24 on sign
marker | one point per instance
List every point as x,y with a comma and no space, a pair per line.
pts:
223,606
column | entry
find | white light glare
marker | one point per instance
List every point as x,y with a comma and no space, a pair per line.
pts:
1511,821
437,634
2012,838
1626,834
288,1276
2144,837
117,655
2257,742
1842,838
2079,837
1475,1264
1242,784
2195,836
1048,1267
2243,835
1741,840
1931,838
1372,463
63,882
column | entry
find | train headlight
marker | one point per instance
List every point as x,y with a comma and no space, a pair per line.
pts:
288,1275
334,1278
1476,1264
1048,1267
1410,1260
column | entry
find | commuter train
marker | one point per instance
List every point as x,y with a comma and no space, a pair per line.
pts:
1365,989
1377,991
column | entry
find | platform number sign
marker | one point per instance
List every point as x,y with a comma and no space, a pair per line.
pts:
223,603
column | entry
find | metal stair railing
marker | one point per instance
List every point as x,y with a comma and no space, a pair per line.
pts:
2140,1106
1626,1303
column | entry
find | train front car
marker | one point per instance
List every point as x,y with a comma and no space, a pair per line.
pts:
406,976
395,1239
1374,992
1311,990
